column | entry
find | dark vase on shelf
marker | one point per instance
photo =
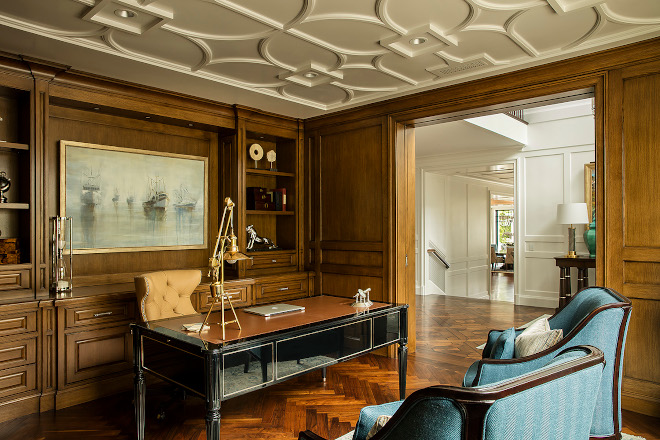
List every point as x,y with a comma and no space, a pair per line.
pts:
590,239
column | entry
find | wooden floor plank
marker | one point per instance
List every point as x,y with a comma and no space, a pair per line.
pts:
449,329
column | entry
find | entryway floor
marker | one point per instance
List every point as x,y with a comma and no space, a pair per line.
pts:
501,286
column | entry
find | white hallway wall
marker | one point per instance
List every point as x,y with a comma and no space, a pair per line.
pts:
549,171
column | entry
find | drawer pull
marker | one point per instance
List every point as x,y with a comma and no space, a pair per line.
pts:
96,315
273,261
283,288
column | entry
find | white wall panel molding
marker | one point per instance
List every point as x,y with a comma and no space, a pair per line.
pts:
370,44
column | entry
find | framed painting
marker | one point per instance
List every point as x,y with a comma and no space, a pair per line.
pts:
130,200
590,189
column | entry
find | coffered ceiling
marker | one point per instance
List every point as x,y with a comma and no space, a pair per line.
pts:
319,55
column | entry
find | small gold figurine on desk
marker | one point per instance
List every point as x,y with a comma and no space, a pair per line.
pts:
226,249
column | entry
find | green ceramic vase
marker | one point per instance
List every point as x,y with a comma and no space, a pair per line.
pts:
590,239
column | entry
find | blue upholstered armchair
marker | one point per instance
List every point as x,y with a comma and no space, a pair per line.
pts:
595,316
555,401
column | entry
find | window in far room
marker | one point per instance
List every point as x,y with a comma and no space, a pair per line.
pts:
504,228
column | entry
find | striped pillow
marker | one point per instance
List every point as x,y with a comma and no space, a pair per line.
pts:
534,342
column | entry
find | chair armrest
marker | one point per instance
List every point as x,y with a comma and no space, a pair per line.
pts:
489,371
309,435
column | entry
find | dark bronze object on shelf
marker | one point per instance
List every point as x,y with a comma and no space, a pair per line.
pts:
5,184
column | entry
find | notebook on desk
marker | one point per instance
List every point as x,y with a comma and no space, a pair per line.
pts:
273,309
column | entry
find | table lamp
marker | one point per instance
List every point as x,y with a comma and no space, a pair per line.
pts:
226,249
572,214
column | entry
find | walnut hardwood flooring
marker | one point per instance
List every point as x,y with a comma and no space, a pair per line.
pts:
449,329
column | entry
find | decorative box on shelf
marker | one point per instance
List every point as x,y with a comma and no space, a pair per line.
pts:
259,199
9,251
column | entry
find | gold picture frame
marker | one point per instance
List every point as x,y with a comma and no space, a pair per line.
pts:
590,189
133,200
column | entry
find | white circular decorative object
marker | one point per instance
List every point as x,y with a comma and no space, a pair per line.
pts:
256,152
271,156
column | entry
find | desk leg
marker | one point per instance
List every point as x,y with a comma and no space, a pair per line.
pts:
403,367
564,285
583,278
213,396
139,386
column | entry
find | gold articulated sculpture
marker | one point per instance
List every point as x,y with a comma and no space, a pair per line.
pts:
226,249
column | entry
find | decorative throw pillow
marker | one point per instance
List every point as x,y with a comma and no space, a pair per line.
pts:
504,346
529,343
380,422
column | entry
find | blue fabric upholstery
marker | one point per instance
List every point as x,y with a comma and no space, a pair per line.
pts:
492,337
601,331
559,409
504,345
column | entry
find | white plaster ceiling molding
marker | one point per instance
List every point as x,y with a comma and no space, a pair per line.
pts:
322,55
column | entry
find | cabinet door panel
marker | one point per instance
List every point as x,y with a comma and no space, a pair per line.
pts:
18,323
19,279
100,313
281,290
95,353
15,353
238,295
17,380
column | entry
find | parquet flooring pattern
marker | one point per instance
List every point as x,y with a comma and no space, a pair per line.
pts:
449,329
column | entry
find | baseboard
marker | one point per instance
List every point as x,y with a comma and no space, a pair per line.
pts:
94,390
640,396
47,401
536,301
19,407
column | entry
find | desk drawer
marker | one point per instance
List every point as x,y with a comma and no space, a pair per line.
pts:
238,295
18,380
270,261
100,313
15,353
17,323
280,290
15,279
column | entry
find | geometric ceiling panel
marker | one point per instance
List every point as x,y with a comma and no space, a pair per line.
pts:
260,75
326,93
212,21
292,51
313,56
536,27
444,15
161,45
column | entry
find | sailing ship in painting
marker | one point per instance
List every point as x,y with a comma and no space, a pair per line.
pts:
157,198
115,198
130,201
90,195
183,200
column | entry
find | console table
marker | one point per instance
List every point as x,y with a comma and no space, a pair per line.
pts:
267,350
582,263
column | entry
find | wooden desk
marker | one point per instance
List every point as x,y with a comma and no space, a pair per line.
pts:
265,352
582,263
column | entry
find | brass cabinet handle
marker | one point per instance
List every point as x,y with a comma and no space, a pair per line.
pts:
96,315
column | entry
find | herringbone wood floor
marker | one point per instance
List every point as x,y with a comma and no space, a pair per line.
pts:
449,329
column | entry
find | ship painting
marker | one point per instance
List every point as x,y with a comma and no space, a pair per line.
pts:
130,201
115,198
183,200
90,195
157,198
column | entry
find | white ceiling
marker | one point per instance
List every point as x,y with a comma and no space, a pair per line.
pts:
256,52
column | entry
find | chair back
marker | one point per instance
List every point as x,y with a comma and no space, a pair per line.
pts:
166,294
508,257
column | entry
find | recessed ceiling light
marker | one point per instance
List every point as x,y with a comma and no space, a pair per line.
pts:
125,13
418,41
310,75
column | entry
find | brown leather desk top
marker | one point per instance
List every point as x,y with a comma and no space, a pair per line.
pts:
317,309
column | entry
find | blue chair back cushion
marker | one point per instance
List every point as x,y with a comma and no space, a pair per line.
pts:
504,346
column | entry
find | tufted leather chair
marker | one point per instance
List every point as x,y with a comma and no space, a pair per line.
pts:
166,294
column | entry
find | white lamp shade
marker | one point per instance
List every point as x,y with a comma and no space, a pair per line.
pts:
572,214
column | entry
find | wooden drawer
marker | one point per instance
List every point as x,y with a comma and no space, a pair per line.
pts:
16,353
91,354
14,279
239,296
18,380
281,289
271,260
101,313
17,323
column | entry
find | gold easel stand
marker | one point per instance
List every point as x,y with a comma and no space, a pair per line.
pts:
218,293
222,253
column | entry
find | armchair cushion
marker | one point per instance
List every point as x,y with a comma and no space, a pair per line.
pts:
504,345
166,294
528,344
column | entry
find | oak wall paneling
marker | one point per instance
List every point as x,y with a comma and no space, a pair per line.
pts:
633,243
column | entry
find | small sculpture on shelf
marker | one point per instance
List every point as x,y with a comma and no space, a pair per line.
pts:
271,155
256,153
5,183
256,243
362,298
62,274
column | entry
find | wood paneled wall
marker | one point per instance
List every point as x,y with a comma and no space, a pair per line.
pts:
626,86
633,224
